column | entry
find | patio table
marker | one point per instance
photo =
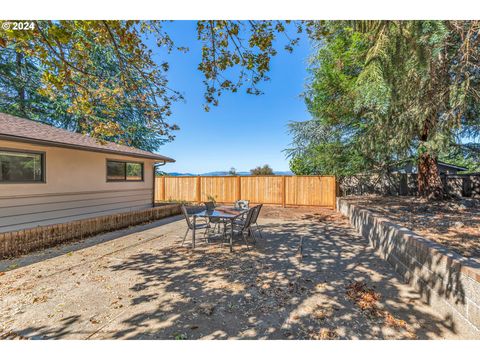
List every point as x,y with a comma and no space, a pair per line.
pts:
224,213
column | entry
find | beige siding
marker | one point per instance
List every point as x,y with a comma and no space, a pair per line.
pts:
75,188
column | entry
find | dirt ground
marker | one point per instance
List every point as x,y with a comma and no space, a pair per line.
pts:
454,223
310,277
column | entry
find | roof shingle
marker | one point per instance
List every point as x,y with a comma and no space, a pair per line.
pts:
16,128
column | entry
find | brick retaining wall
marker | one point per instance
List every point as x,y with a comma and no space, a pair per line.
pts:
447,281
20,242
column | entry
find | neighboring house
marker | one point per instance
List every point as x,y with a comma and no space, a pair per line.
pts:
443,168
50,175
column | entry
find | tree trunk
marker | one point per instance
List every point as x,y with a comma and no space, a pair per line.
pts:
429,181
21,86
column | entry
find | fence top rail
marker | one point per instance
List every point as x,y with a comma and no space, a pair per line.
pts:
234,176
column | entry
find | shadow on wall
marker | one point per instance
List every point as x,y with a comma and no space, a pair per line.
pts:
437,273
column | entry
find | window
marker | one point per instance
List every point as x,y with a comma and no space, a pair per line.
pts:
124,171
134,172
21,167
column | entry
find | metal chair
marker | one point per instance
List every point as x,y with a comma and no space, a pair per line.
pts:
255,218
242,204
210,206
190,225
244,227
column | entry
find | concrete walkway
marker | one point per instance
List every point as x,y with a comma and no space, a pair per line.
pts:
138,283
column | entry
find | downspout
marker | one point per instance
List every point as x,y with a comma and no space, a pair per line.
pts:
154,180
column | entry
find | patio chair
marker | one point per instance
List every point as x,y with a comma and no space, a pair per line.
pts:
210,206
243,228
255,218
190,226
253,221
242,204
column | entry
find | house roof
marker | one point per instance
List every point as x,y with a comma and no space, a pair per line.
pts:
19,129
410,167
459,168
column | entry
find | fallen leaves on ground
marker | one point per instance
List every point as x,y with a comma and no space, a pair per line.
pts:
364,297
207,309
40,299
367,300
325,334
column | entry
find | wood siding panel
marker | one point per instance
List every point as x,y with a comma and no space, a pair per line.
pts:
64,219
64,204
24,212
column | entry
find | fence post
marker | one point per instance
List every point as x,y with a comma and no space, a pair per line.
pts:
199,190
238,193
336,192
284,195
164,187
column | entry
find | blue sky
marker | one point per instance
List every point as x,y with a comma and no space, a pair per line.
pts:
244,131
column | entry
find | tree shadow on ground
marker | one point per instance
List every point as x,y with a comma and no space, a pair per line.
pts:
62,249
268,292
271,292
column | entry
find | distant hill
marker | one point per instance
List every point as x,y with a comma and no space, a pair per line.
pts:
225,173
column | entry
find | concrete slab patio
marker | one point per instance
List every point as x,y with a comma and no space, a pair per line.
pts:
139,284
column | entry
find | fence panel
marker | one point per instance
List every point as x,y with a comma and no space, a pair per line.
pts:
221,188
261,189
181,188
310,190
276,190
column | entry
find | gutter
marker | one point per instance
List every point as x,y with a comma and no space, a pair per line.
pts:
154,180
83,147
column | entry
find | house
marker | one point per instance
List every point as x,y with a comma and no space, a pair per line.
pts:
443,168
50,175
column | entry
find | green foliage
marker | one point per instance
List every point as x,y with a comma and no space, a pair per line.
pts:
212,199
465,155
93,77
238,53
329,158
385,91
332,142
232,171
262,170
100,77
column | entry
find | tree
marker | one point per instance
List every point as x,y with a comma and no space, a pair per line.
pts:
331,142
466,155
428,75
100,77
396,89
232,172
262,170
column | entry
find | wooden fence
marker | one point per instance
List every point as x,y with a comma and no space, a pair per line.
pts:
274,190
